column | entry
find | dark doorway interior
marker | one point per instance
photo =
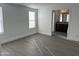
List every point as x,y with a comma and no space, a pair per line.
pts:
61,20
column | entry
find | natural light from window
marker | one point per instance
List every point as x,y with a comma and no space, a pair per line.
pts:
60,17
31,19
67,18
1,21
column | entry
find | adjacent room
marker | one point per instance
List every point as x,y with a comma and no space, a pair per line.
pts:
39,29
60,20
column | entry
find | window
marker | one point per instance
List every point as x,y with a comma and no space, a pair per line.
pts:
1,21
67,18
31,19
63,19
60,17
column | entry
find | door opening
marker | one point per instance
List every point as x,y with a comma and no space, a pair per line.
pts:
60,22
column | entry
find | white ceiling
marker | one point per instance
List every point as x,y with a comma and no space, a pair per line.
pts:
39,5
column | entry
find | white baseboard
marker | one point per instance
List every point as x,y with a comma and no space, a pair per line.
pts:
15,38
49,34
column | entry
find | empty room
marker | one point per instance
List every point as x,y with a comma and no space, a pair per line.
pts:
39,29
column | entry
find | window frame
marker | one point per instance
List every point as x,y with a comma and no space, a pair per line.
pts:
61,20
1,22
32,20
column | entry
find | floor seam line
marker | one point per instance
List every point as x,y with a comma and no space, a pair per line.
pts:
38,47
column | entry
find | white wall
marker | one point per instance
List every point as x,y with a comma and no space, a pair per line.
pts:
16,22
15,19
45,17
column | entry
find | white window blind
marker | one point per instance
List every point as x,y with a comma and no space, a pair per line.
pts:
31,19
1,21
60,17
68,17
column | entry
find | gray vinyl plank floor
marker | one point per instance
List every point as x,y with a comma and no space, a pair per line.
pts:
40,45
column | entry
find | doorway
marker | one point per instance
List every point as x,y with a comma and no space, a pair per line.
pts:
60,22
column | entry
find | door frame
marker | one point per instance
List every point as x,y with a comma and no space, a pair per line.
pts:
69,23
